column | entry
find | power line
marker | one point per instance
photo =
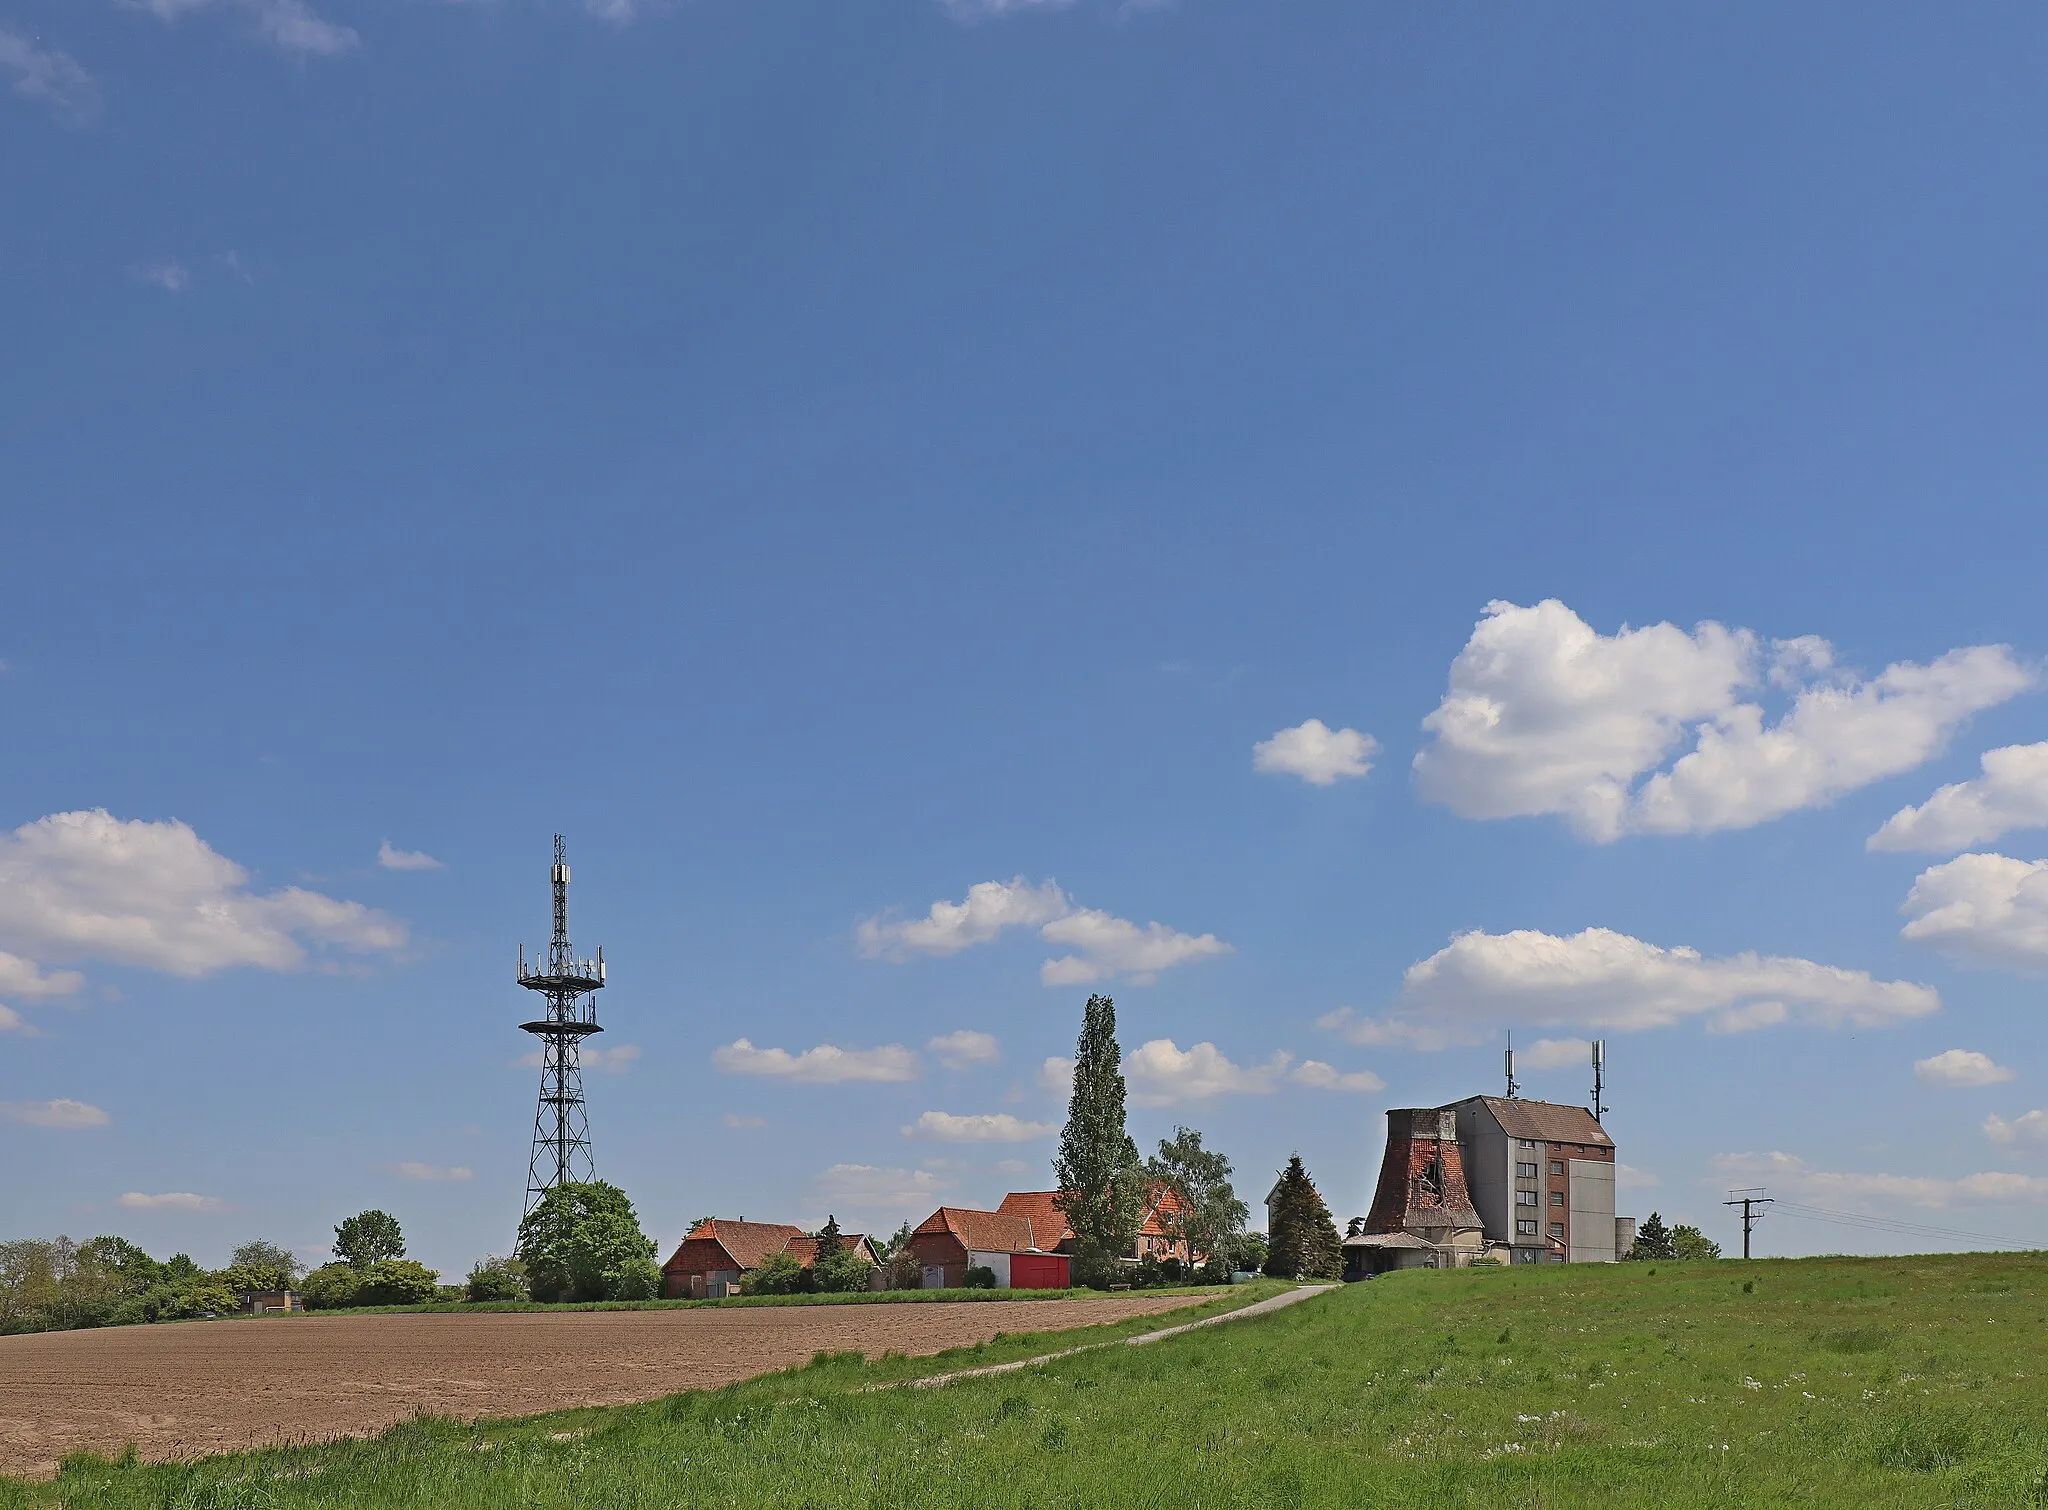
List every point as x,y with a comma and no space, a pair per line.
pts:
1887,1224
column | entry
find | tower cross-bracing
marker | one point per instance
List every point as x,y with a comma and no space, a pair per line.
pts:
561,1128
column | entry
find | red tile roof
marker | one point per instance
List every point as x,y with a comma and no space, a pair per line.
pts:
1546,1121
805,1249
747,1244
981,1231
1048,1223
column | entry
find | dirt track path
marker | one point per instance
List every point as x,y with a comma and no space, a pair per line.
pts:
202,1387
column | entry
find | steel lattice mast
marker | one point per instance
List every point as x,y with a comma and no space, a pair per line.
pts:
561,1129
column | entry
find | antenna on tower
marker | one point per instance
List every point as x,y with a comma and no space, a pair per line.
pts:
1514,1085
561,1127
1599,1078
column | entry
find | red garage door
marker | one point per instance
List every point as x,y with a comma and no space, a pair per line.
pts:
1039,1271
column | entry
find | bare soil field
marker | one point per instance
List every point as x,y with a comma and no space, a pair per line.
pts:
202,1387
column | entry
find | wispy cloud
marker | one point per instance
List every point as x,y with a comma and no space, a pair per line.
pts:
1961,1069
413,1170
47,76
68,1116
172,1200
289,25
393,858
964,1049
171,277
985,1127
827,1064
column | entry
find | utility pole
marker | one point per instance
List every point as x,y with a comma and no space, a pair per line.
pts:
1748,1200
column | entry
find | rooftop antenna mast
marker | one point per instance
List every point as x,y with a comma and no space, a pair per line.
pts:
1514,1085
1600,1107
561,1129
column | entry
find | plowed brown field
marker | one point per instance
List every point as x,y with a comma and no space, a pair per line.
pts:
201,1387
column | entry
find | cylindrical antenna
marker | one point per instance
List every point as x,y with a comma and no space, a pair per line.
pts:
1514,1085
1599,1078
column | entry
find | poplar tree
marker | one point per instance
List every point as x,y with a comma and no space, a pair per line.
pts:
1303,1243
1102,1183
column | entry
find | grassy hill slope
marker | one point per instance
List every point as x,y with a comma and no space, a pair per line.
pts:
1855,1382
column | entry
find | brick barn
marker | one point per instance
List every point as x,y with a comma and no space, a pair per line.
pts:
710,1263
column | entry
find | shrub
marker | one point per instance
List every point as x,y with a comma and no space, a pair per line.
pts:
396,1282
781,1275
981,1277
330,1287
841,1273
493,1277
635,1279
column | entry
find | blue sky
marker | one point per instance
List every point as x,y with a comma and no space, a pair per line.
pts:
827,457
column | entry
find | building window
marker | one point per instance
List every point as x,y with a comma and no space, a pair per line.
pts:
1557,1229
1525,1229
1557,1166
1557,1258
1557,1197
1525,1197
1525,1142
1525,1171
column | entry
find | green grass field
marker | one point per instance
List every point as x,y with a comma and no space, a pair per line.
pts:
1915,1382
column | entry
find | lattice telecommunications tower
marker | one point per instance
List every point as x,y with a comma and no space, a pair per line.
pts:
561,1130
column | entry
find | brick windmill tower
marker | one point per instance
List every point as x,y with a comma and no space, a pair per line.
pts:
1422,1193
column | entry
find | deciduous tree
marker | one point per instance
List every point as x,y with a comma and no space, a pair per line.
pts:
583,1242
367,1238
1210,1216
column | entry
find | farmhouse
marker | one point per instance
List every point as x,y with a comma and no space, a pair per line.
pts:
709,1263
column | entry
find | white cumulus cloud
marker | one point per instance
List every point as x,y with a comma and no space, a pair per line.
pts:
412,1169
1794,1176
12,1021
964,1049
23,979
985,1127
1546,715
1397,1032
393,858
827,1064
2028,1128
1160,1073
1103,946
1107,946
1317,753
1628,1177
172,1200
89,885
1057,1075
1555,1054
65,1115
990,908
1960,1069
1982,910
1319,1076
2012,793
1606,980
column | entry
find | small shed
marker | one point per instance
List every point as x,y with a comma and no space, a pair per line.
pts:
270,1302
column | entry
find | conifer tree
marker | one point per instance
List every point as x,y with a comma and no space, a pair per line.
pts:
1653,1239
1101,1180
828,1238
1303,1243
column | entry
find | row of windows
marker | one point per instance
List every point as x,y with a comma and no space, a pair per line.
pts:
1528,1171
1526,1228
